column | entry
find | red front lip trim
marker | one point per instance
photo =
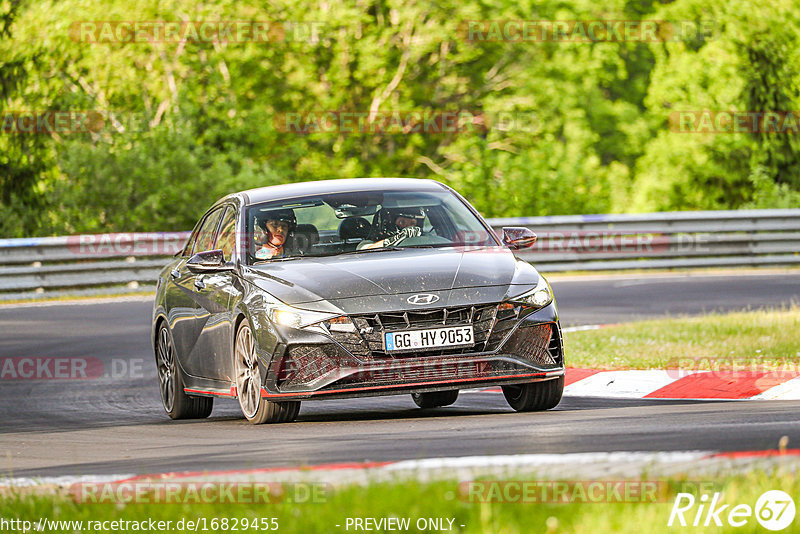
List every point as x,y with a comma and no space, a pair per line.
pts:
265,394
217,393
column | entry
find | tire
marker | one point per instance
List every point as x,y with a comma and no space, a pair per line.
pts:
434,399
256,409
176,402
535,396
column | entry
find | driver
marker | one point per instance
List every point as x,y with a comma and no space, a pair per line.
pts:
401,223
270,239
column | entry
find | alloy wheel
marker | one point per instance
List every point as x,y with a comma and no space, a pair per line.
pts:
248,374
166,368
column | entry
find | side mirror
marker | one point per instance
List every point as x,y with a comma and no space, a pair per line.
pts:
516,237
208,261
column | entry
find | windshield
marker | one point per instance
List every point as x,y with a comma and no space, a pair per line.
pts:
360,222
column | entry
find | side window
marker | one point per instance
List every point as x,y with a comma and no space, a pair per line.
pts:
205,237
226,240
187,248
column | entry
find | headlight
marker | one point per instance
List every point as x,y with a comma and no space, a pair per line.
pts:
539,297
296,318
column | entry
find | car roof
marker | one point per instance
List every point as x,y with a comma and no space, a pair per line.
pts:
322,187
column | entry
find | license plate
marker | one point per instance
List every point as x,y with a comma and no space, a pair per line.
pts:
453,336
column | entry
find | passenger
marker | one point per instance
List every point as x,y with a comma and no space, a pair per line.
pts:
279,224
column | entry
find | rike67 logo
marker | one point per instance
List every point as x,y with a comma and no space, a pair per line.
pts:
774,510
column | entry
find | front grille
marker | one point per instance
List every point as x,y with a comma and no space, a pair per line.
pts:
493,326
372,327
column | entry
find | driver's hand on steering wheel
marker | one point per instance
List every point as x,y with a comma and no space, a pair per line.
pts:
405,233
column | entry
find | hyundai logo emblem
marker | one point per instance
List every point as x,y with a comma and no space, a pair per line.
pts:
422,299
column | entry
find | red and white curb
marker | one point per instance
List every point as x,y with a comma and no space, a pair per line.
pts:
579,466
682,384
679,383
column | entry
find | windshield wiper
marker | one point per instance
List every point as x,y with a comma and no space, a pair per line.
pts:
270,260
381,249
363,250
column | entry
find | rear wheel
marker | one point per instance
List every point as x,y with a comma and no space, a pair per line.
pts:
177,403
255,408
434,399
535,396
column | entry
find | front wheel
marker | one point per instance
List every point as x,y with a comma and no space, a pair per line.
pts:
535,396
255,408
434,399
177,403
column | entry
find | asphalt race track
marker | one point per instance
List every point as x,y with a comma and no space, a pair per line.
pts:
115,424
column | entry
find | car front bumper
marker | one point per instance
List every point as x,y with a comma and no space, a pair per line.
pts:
524,348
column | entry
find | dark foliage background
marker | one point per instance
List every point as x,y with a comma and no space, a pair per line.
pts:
188,122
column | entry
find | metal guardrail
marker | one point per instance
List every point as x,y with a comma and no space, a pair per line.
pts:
86,264
671,240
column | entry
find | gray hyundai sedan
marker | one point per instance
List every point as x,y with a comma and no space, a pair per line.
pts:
352,288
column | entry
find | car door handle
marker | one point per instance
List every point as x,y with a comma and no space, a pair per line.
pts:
199,283
175,274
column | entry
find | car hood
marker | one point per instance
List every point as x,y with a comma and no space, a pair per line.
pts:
383,277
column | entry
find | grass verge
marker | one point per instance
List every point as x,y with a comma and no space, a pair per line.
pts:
447,501
765,336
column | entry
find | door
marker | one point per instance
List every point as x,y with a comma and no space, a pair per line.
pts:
214,294
187,317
